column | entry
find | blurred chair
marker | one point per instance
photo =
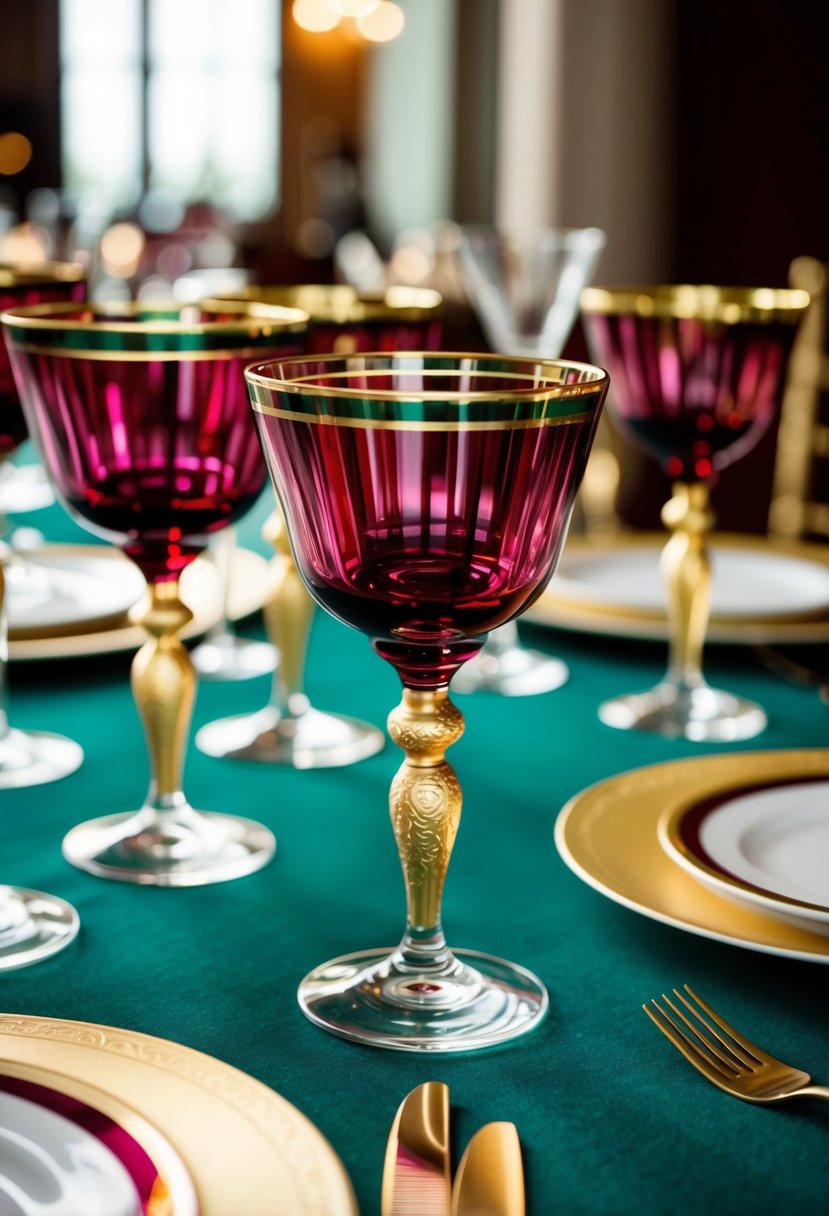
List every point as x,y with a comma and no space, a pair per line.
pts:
799,506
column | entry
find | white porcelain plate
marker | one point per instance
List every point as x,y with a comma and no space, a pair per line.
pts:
766,847
64,587
749,583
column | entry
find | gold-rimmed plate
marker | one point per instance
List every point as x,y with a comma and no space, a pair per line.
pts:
763,591
608,836
91,1155
200,590
244,1148
764,845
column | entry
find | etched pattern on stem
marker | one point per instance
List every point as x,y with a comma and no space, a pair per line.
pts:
425,798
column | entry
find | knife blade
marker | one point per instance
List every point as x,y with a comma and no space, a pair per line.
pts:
490,1177
416,1180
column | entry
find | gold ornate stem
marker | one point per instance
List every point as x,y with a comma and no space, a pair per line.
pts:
425,800
687,573
288,613
164,687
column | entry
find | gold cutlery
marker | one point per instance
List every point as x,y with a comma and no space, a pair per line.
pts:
416,1178
490,1177
724,1056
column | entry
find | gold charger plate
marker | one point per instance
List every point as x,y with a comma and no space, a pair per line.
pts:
626,620
250,582
246,1149
608,836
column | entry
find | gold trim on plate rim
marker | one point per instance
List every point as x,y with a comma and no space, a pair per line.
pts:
246,1148
607,835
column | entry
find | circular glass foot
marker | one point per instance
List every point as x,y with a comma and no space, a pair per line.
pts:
173,848
35,757
33,926
307,740
228,657
701,714
477,1001
514,672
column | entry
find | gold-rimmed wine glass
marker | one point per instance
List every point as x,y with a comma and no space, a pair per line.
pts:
290,730
141,417
426,498
697,376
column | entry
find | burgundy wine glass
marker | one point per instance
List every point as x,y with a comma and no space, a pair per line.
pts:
289,730
26,757
426,497
141,417
697,377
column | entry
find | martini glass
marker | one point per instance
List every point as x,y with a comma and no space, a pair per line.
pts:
289,730
426,498
26,757
697,377
141,417
524,287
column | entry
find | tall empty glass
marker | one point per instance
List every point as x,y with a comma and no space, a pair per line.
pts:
524,287
26,757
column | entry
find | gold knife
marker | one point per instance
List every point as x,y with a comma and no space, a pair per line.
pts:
490,1177
416,1178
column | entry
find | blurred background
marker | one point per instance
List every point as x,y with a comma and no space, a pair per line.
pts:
178,147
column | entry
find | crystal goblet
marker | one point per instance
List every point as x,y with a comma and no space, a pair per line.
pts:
697,377
289,729
524,287
426,498
141,417
26,757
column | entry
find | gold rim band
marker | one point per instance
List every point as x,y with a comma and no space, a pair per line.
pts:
389,424
704,302
142,356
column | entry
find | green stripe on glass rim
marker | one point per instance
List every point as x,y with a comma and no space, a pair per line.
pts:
147,329
533,393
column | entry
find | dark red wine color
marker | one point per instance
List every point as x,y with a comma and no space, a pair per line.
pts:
426,540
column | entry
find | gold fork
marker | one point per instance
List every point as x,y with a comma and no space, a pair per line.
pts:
724,1056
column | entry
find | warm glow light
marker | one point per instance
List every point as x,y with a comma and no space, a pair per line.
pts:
23,243
353,8
382,23
121,248
15,152
317,16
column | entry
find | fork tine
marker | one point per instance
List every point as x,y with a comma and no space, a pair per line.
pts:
751,1049
731,1058
711,1068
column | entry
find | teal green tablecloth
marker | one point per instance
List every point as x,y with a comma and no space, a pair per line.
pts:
611,1120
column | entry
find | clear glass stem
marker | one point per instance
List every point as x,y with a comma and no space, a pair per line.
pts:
288,613
502,639
164,687
686,571
221,554
425,807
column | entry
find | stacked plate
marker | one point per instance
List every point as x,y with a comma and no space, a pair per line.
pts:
762,591
109,1122
68,601
733,847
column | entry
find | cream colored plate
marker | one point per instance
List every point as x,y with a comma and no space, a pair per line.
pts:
608,836
246,1149
250,580
763,592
